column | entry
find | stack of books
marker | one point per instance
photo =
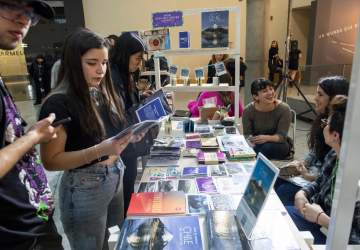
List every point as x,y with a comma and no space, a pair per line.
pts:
236,147
164,155
210,158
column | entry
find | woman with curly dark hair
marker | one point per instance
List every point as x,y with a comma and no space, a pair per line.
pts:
309,168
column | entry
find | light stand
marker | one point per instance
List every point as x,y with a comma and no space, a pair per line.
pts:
285,79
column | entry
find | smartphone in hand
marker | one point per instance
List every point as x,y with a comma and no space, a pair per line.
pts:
61,122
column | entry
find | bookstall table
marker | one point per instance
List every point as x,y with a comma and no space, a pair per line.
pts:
274,223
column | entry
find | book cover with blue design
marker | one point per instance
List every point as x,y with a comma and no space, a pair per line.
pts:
215,29
184,39
182,233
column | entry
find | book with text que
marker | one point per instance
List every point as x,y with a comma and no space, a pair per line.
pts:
167,233
157,203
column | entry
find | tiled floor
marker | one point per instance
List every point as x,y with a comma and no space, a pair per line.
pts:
29,113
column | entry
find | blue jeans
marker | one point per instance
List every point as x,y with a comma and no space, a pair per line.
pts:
91,200
286,191
304,225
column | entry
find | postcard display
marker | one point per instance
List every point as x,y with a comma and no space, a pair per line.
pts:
214,40
189,203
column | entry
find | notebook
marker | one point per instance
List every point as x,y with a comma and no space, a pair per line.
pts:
257,191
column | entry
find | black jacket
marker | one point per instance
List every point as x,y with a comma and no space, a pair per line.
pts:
131,101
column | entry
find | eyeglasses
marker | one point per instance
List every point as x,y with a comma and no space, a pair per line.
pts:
11,12
324,122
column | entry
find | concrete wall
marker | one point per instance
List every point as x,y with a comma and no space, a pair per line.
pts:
275,27
300,30
301,3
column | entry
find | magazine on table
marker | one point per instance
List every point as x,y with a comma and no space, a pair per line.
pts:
206,185
197,203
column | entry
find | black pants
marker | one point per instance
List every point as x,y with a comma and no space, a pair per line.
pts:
38,92
51,240
274,150
129,179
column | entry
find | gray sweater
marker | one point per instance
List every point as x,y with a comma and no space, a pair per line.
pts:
267,123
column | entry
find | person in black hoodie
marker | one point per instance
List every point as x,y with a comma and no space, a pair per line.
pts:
38,75
125,70
273,52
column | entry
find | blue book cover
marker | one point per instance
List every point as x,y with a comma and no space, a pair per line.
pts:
152,110
161,233
184,39
215,29
195,171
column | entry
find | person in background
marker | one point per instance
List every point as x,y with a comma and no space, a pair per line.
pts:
26,202
277,65
266,122
273,52
125,71
211,68
310,167
230,67
293,66
243,68
55,73
38,73
112,40
90,191
313,202
150,66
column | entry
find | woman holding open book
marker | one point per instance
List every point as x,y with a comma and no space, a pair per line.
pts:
266,121
91,195
309,168
313,203
126,60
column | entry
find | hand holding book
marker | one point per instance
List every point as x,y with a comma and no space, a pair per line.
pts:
113,146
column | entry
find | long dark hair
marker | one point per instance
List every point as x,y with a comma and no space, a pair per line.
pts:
125,46
72,82
332,86
337,113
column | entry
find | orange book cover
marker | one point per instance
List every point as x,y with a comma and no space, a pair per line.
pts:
157,203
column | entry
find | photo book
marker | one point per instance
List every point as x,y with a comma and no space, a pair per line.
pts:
157,203
198,203
167,233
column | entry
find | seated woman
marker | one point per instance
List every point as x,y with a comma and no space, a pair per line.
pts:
219,99
266,121
313,202
310,167
211,68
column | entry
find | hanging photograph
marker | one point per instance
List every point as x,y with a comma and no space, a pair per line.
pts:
158,39
215,29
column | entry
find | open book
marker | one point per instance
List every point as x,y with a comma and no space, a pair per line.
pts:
139,128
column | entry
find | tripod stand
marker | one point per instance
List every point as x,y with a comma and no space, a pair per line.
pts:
282,93
285,77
